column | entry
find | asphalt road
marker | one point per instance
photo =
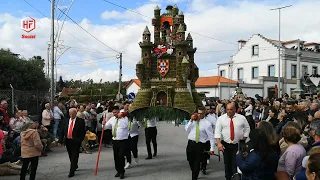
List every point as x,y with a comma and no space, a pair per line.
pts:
170,164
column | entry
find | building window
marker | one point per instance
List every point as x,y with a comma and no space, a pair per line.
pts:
223,73
304,70
255,50
293,71
314,70
271,71
255,72
240,74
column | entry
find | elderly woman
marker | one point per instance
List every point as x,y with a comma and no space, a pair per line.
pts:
291,160
31,148
47,117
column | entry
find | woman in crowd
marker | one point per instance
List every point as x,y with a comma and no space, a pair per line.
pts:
273,113
291,160
283,118
31,148
259,162
272,136
57,115
313,167
47,117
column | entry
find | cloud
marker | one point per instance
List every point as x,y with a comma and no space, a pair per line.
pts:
88,58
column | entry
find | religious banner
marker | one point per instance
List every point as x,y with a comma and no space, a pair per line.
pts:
163,67
315,80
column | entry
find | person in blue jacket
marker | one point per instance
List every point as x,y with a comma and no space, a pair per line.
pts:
259,162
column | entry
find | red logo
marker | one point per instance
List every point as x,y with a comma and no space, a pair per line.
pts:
163,67
28,24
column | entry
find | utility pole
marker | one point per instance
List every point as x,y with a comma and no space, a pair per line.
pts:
279,55
48,62
120,74
52,52
298,89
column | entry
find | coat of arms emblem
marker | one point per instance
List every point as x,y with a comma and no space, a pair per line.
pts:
163,67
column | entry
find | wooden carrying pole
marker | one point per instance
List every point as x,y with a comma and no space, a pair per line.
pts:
98,158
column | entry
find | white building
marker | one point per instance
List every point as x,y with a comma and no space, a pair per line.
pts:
213,86
256,62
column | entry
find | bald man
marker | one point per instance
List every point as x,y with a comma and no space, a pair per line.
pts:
230,129
73,133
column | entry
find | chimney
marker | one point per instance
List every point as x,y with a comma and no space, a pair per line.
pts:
241,43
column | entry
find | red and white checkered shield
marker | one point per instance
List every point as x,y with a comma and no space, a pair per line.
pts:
163,67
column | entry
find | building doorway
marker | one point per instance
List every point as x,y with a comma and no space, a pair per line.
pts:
162,99
271,92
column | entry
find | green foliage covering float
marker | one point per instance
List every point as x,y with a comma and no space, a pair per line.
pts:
162,112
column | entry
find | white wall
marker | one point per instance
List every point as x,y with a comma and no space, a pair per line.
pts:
249,92
268,55
133,87
213,91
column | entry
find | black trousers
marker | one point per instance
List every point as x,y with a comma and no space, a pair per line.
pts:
205,156
194,157
120,149
73,149
251,122
107,136
34,165
151,135
132,147
229,156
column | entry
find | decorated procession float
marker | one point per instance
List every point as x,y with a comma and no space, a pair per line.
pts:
167,70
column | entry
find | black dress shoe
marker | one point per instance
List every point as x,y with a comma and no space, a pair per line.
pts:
121,176
155,154
70,175
204,172
149,157
117,175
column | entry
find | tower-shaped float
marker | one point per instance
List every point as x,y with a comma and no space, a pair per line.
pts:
167,70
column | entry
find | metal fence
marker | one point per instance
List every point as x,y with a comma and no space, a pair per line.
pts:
23,100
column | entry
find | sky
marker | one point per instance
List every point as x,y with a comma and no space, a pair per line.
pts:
215,25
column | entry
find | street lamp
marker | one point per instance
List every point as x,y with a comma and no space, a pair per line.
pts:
279,46
100,95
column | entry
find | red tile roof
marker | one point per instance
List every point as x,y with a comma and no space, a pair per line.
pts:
201,82
212,81
283,42
69,91
311,43
136,81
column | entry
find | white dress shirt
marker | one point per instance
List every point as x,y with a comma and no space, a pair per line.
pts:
212,119
122,130
248,110
152,122
134,130
69,128
241,128
206,132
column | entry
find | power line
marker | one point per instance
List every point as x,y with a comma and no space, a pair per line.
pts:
86,30
212,38
71,62
62,29
151,18
126,8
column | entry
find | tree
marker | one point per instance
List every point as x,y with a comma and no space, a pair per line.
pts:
61,84
21,73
